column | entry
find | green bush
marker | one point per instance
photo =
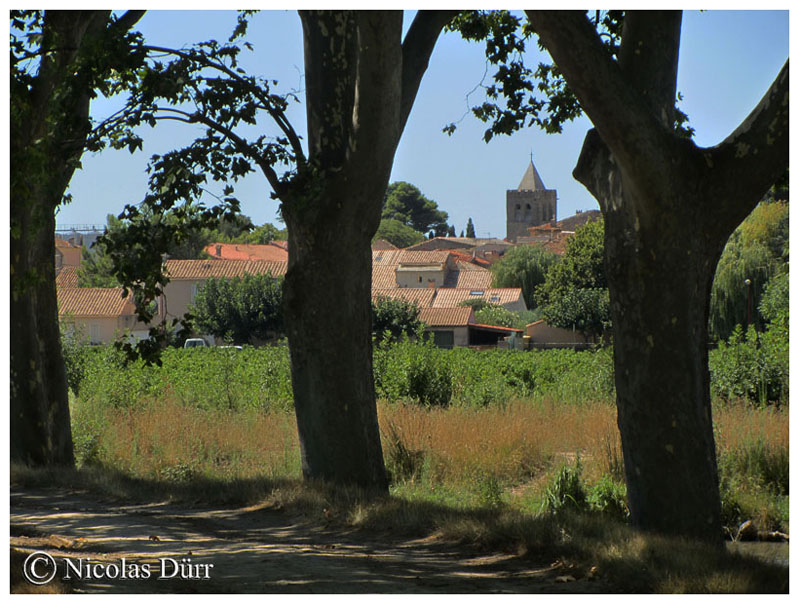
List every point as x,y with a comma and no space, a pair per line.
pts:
75,349
413,371
609,497
566,491
755,367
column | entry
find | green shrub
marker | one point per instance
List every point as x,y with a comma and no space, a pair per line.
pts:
566,491
755,367
609,497
75,349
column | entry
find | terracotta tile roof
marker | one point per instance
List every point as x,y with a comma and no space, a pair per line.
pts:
281,243
423,257
469,276
203,269
558,246
382,244
453,297
581,218
452,317
385,257
496,328
445,243
383,277
94,302
267,252
67,277
467,258
422,296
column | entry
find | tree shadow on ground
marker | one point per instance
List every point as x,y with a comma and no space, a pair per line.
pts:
284,535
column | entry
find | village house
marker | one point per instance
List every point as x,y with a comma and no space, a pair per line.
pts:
101,315
186,278
68,254
439,275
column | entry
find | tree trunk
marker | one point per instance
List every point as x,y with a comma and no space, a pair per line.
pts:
660,268
49,126
361,82
328,317
669,208
40,427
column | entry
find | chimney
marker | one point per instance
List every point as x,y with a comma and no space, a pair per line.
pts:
219,250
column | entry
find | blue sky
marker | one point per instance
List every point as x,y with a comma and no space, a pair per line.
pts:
728,59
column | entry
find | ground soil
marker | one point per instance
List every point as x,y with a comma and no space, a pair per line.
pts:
257,550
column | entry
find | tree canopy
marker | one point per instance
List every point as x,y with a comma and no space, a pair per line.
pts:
392,318
398,233
406,203
242,310
756,251
523,267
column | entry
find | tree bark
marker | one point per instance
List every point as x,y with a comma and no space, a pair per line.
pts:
49,126
361,82
49,129
669,208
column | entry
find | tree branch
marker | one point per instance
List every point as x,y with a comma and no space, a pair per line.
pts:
417,48
758,147
624,119
243,147
278,116
129,19
653,74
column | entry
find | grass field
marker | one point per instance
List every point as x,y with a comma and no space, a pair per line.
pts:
513,452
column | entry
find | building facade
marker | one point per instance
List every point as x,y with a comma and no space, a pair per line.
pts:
529,205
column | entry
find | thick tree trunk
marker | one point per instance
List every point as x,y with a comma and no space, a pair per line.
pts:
49,126
328,318
660,266
40,427
361,82
669,208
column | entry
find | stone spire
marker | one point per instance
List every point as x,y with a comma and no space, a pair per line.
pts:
531,181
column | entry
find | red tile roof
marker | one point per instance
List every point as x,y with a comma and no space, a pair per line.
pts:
453,317
453,297
266,252
422,296
383,277
203,269
385,257
67,277
469,276
94,302
382,244
423,257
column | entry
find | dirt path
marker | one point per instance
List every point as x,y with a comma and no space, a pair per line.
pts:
255,550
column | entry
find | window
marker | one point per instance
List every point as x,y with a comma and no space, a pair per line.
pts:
495,299
476,292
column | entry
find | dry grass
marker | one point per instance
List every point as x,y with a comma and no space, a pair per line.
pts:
739,425
169,441
471,476
512,444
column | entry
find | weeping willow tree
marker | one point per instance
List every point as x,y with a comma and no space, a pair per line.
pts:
755,253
